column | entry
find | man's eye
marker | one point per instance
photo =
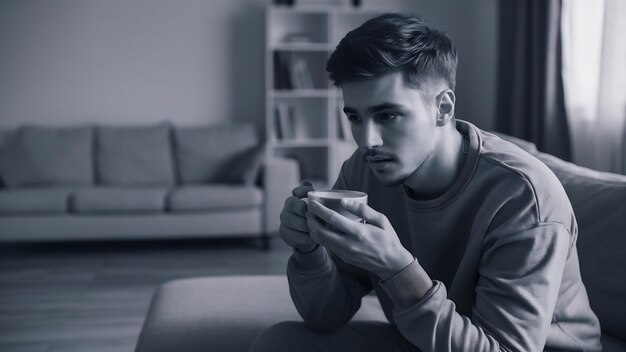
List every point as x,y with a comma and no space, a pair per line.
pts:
388,116
354,118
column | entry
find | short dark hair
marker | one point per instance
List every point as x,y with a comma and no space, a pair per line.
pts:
390,42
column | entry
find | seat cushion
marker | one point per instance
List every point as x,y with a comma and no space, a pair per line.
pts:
213,197
24,201
47,156
108,200
203,153
134,155
599,202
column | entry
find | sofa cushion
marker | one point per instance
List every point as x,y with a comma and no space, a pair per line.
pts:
203,153
24,201
134,155
599,202
244,168
213,197
110,200
42,156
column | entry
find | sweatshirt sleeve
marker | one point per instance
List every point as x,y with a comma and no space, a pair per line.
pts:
519,278
326,291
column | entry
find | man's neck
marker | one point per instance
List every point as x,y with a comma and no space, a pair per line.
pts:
438,173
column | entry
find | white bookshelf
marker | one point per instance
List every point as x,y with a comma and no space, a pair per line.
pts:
307,108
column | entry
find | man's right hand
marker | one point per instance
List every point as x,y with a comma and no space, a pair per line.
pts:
293,229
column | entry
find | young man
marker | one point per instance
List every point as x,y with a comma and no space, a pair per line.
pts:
469,242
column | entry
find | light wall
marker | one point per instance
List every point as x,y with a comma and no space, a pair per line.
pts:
471,25
131,61
188,61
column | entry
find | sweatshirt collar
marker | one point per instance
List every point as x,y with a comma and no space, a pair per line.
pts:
469,131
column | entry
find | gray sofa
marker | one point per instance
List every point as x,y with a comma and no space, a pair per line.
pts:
223,314
135,182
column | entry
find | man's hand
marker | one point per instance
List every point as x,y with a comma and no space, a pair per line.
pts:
293,229
373,246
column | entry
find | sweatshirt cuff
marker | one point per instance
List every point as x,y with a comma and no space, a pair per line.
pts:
409,286
309,261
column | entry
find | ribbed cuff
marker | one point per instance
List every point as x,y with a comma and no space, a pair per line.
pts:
307,251
408,286
310,260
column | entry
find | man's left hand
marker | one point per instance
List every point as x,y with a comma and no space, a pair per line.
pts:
373,246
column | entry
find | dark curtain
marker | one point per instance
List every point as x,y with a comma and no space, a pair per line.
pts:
530,87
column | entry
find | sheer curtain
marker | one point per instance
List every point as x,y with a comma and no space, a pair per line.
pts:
594,78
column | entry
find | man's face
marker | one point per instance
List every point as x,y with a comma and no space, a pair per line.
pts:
393,124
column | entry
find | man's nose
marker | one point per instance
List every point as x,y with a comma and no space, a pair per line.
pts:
371,135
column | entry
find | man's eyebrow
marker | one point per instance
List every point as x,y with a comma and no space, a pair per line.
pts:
349,110
375,108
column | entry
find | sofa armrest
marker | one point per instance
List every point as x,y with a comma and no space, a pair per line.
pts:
280,176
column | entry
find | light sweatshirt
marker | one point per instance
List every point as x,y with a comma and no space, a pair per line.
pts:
499,245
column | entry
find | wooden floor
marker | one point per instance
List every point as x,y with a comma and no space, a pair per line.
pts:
94,296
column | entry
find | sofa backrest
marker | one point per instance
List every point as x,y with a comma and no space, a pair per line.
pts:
219,153
41,156
153,154
599,203
134,155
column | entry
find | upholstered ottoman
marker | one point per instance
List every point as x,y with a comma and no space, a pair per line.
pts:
222,314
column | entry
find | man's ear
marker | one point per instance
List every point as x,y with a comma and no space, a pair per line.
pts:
445,107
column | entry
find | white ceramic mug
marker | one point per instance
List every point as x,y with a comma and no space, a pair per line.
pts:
332,199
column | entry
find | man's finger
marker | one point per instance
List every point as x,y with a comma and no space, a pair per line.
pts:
298,224
289,230
302,190
365,212
321,234
296,206
333,218
295,238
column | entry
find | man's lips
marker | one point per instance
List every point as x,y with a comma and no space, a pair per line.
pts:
377,159
371,156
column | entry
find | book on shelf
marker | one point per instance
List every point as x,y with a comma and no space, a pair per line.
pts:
300,73
278,133
284,122
291,71
288,123
300,130
282,75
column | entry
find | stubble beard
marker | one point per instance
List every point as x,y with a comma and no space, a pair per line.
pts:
403,176
398,180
